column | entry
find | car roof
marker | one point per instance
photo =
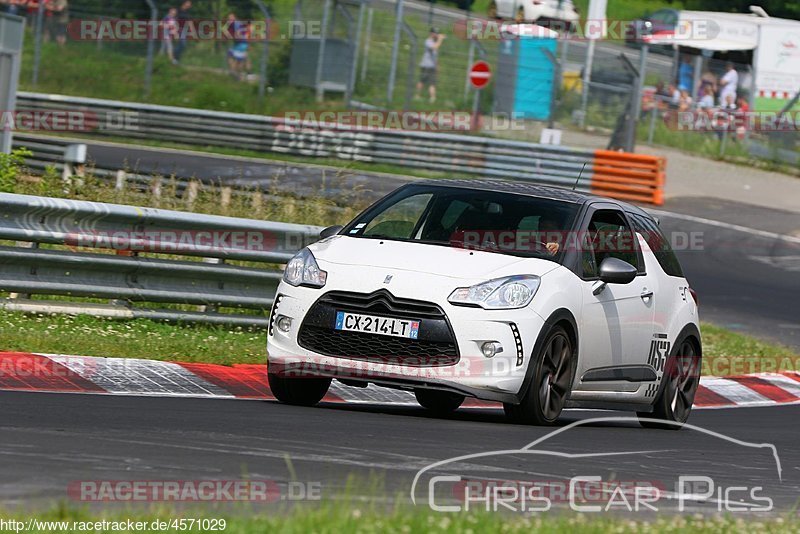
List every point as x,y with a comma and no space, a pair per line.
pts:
533,190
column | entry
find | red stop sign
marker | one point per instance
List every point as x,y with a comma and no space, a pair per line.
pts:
479,74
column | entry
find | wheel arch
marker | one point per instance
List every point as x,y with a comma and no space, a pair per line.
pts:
561,316
689,331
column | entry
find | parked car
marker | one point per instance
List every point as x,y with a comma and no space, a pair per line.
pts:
660,22
534,11
537,297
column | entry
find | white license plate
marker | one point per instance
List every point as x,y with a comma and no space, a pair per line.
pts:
372,324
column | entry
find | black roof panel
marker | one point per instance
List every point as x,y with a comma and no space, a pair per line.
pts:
528,188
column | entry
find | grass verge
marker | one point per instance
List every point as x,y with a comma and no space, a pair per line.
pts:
357,518
725,352
85,335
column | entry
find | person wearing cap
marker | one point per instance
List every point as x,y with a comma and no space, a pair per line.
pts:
429,64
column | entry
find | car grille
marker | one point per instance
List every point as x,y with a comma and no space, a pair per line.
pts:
435,346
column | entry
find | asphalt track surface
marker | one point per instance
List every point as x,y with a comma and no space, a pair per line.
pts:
50,440
745,281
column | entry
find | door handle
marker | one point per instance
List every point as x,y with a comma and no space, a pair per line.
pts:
646,294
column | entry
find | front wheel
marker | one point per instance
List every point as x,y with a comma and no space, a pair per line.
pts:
552,380
298,391
438,402
681,378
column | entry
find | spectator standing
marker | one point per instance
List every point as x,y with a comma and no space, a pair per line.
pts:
59,21
184,19
237,55
169,33
31,11
685,75
728,84
430,64
10,6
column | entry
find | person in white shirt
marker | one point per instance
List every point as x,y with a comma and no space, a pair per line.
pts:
729,84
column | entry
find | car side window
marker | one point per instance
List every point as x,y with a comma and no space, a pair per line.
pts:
399,221
608,236
658,244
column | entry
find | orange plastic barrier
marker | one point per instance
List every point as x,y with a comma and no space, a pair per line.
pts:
626,176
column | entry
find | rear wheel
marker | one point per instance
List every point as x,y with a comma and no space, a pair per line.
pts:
551,383
681,378
439,402
298,391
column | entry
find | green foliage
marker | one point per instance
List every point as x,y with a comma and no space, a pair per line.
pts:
11,166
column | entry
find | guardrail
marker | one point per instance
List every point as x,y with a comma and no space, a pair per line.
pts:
133,268
433,151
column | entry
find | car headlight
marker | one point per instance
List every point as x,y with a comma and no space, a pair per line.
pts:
302,270
498,294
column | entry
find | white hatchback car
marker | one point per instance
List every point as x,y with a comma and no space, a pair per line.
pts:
537,297
535,11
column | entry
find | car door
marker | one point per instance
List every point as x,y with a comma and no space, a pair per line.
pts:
616,324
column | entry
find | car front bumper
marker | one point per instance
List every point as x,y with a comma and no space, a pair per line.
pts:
498,378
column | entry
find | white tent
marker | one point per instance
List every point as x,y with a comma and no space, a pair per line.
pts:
775,42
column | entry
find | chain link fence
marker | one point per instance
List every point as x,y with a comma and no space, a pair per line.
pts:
371,59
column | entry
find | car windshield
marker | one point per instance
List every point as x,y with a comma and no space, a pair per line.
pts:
506,223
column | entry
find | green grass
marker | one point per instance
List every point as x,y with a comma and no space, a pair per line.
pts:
733,353
725,352
358,517
116,71
85,335
706,144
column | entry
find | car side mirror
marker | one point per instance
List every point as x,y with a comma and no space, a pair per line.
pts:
617,271
614,271
331,230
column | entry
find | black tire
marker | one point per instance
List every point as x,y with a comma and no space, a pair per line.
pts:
551,383
438,402
680,380
298,391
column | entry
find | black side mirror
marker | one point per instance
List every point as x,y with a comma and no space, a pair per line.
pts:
331,230
616,271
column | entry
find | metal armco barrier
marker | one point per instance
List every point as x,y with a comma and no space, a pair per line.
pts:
626,176
455,154
227,294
